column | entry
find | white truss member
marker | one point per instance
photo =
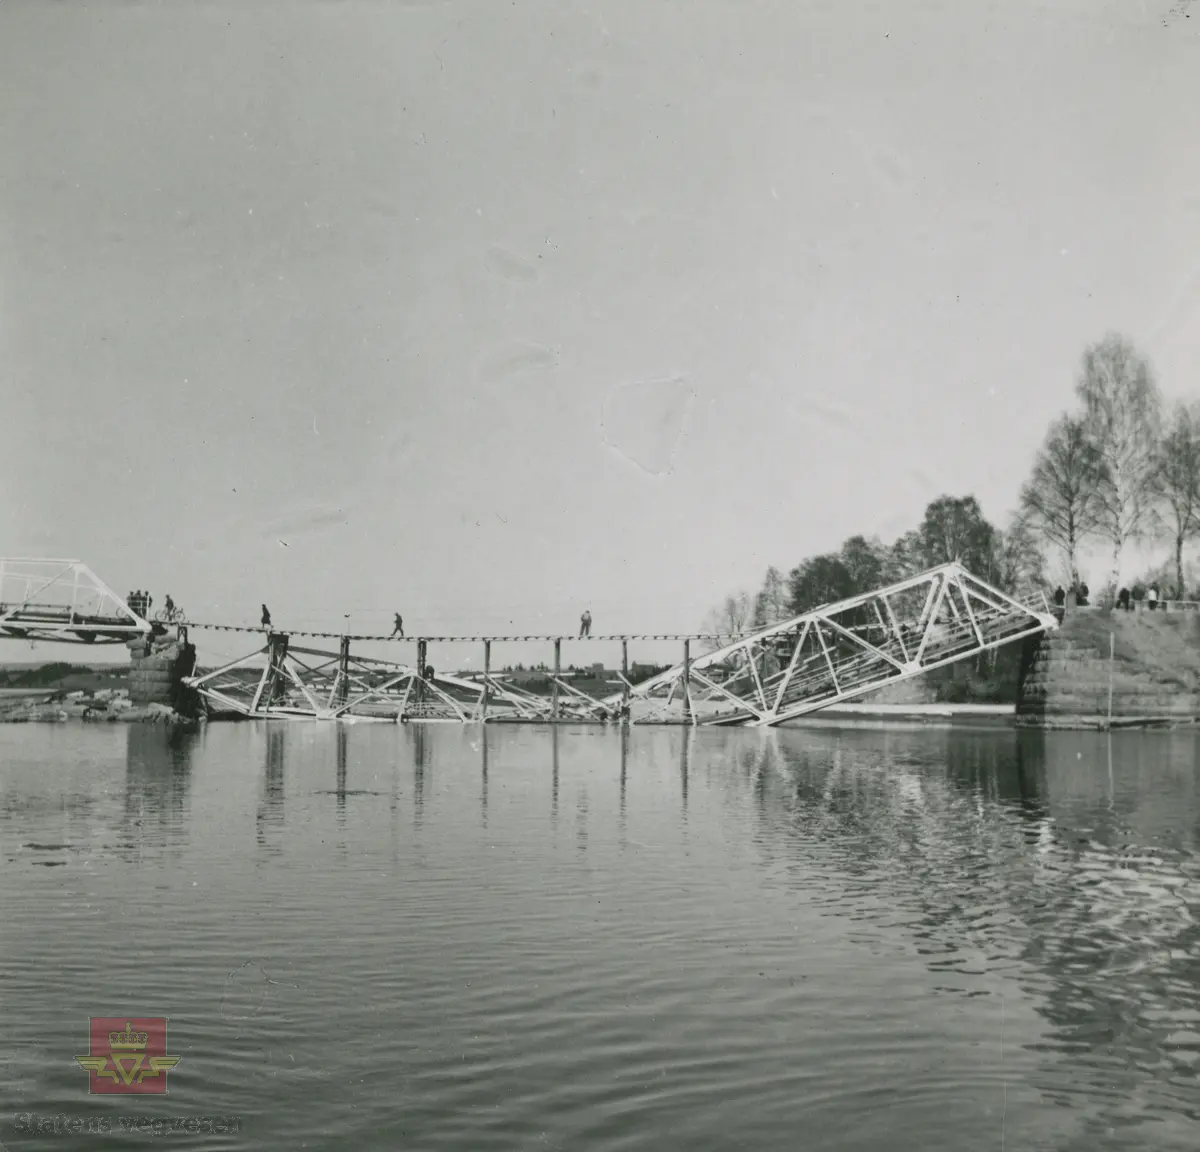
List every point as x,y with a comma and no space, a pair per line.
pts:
64,602
843,650
834,653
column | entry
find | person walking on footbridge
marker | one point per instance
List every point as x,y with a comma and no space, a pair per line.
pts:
398,628
266,617
585,623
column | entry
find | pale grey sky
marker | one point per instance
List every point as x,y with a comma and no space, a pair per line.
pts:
494,311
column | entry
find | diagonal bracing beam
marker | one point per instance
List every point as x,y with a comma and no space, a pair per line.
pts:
843,650
304,683
832,654
62,602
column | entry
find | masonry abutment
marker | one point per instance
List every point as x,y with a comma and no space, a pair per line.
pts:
1103,665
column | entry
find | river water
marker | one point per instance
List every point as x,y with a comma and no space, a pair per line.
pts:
432,937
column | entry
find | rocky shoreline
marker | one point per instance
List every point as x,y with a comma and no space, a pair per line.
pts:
49,711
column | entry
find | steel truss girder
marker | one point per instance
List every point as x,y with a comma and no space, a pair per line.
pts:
287,682
303,683
62,602
829,655
843,650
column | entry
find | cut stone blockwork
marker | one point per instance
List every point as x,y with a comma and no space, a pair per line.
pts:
1129,667
160,664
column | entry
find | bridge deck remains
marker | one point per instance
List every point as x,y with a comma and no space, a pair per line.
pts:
547,637
830,655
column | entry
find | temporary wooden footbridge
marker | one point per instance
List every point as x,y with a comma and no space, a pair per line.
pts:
829,655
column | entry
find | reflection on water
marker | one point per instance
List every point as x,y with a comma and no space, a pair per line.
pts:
623,737
418,736
889,938
484,736
343,741
683,768
157,774
1025,864
158,769
554,774
270,806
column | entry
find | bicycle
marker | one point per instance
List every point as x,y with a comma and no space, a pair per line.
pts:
172,615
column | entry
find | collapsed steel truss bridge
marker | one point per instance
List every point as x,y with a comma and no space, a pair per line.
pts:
827,656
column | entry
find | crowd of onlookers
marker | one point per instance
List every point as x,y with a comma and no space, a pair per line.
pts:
141,603
1126,600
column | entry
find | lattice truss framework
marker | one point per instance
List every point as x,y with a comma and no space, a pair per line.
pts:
830,655
283,680
841,651
62,601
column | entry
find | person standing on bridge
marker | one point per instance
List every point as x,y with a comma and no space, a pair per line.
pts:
585,623
398,628
266,617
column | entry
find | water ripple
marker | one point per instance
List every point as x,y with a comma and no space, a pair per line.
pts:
736,942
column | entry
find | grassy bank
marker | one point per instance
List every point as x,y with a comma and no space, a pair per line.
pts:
1115,667
1163,646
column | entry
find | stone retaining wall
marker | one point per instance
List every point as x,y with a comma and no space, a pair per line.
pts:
1068,678
160,663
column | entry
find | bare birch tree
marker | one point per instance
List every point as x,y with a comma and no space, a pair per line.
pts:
903,558
1018,564
1122,417
733,616
735,612
955,528
1177,482
771,603
863,559
1060,500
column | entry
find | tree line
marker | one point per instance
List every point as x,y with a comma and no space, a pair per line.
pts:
1117,468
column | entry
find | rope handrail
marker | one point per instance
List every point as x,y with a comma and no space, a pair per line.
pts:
386,638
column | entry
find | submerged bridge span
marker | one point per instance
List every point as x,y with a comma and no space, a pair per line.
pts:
827,656
830,655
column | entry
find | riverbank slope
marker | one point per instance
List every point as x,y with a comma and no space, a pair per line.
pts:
1103,666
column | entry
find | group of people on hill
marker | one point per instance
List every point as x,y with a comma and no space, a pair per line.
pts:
1153,597
1081,596
1124,597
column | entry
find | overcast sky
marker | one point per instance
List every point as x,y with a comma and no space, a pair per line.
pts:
488,312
